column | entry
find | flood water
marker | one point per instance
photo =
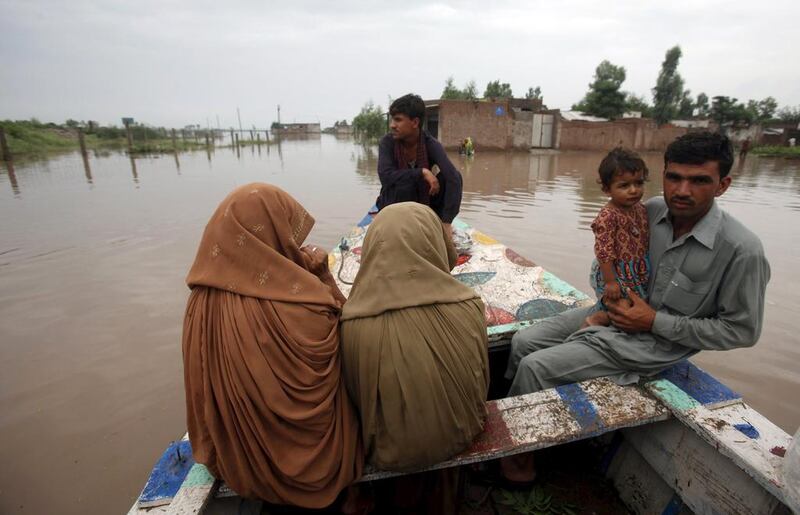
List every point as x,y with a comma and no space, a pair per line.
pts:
92,293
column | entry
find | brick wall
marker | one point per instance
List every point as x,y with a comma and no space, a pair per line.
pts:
637,134
489,124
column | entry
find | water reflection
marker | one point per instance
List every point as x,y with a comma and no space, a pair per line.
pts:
133,170
12,176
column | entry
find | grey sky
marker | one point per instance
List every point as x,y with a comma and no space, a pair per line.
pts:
175,63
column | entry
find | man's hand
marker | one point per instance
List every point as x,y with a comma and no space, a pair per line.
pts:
612,291
433,182
633,316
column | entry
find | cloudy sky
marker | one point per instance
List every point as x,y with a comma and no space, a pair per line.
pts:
174,63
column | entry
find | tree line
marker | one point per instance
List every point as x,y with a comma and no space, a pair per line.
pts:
671,100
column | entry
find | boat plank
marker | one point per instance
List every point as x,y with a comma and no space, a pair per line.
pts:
707,481
737,431
197,489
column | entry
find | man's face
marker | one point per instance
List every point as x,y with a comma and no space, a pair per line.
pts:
403,127
689,190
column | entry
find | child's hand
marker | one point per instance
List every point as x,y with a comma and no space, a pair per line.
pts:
612,291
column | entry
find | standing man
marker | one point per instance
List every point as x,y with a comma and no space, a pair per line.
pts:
706,290
406,157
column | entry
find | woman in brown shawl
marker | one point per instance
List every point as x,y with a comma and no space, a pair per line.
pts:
414,346
267,411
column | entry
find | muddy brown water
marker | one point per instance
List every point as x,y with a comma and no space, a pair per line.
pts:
92,264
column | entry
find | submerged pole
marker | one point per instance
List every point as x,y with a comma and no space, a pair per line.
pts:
82,142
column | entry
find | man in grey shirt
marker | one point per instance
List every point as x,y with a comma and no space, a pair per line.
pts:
706,289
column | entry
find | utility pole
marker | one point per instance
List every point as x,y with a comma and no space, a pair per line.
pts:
240,119
279,114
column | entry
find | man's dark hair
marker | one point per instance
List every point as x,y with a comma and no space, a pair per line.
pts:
618,161
410,105
696,148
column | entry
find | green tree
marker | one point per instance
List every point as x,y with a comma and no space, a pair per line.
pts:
471,90
370,123
496,89
766,109
534,93
686,106
637,103
789,114
605,98
668,92
451,91
702,105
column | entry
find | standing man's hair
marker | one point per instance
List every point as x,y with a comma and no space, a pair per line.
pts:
618,161
410,105
696,148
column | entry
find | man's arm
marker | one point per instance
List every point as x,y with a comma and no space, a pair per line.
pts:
450,176
738,323
388,172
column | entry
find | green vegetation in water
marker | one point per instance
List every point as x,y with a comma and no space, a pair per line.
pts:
792,152
370,123
31,137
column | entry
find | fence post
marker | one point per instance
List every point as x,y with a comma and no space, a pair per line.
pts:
81,142
129,136
4,145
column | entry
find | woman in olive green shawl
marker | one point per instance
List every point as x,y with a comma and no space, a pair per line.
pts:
414,345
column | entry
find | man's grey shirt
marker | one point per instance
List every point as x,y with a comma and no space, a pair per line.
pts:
708,286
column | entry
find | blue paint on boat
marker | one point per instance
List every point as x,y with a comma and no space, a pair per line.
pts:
167,476
674,506
701,386
365,221
540,308
748,430
473,279
580,407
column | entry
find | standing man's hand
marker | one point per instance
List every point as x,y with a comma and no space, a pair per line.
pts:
633,316
433,182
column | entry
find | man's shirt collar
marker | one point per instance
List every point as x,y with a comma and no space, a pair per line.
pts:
705,231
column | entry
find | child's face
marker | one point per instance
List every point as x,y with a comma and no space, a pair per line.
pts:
626,188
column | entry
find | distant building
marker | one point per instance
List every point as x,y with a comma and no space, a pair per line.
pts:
498,124
297,128
339,128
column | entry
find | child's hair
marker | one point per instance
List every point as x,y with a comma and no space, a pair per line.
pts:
618,161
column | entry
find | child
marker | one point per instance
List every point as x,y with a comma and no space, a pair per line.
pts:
621,233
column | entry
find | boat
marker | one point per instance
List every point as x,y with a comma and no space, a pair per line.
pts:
679,443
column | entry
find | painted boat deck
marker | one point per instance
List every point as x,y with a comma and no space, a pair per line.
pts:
518,293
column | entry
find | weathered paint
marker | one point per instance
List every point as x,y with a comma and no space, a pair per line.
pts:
580,407
672,396
748,430
717,427
563,288
198,476
167,476
706,480
198,488
700,385
547,418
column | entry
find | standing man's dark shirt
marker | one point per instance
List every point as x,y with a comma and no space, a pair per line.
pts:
406,184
